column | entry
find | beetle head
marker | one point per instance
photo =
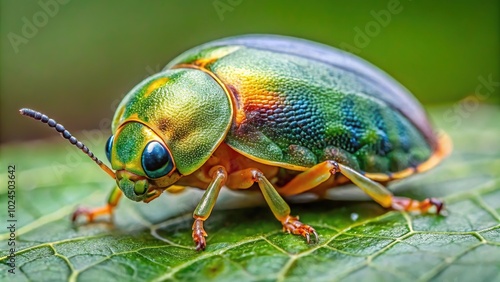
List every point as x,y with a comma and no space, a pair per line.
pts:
166,127
143,163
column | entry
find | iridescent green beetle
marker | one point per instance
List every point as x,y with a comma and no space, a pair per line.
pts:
286,114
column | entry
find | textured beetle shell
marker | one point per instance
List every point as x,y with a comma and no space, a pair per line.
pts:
298,103
186,108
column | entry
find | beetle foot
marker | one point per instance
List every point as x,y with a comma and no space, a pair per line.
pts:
199,235
91,214
407,204
291,224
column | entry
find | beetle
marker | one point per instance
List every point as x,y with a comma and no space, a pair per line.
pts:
284,114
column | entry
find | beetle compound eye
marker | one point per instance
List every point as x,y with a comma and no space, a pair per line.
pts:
109,144
156,160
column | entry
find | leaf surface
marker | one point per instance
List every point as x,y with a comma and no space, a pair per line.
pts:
359,241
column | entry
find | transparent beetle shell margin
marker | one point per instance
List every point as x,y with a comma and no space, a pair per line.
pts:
289,115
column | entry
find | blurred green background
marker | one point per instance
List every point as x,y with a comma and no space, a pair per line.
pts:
73,60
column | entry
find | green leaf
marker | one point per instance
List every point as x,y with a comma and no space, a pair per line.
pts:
359,241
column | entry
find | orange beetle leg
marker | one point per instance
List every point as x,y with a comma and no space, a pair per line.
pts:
107,209
407,204
199,234
246,178
323,171
206,204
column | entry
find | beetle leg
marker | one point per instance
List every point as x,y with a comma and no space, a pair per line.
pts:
291,224
385,198
310,178
408,204
323,171
91,214
206,204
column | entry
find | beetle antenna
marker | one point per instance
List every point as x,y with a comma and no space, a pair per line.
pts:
65,133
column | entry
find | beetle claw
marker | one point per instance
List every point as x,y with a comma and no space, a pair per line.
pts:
199,235
316,237
438,204
407,204
201,244
82,211
91,214
292,225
